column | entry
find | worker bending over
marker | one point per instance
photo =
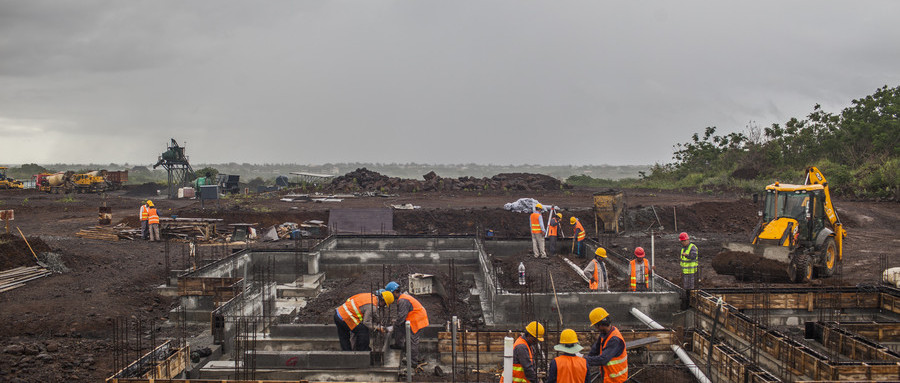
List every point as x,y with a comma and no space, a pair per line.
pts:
568,367
640,271
537,231
690,262
409,309
578,237
356,316
523,356
595,271
608,352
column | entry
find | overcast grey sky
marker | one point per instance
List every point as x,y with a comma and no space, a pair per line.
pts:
503,82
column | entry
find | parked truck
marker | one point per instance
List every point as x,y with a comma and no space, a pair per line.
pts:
70,182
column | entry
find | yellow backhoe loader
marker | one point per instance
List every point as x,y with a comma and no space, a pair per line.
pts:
799,235
8,183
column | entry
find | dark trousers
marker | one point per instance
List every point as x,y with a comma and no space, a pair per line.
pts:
400,340
145,229
687,281
579,249
361,333
551,249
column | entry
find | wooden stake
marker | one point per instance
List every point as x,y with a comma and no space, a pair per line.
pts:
29,245
557,298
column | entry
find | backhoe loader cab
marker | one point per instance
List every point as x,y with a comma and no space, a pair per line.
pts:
799,228
8,183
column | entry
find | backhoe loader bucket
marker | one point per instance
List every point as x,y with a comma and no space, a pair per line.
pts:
762,263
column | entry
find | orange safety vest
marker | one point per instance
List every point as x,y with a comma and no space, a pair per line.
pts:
596,279
551,229
570,369
645,278
616,371
578,226
518,373
145,212
417,318
536,223
351,310
153,217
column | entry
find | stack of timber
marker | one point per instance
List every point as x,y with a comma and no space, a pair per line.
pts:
186,228
115,233
15,278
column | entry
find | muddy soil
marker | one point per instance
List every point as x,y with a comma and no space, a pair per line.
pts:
538,272
58,328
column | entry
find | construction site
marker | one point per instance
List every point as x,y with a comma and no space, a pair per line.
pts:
244,288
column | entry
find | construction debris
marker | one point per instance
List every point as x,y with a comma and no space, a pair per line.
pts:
104,233
407,206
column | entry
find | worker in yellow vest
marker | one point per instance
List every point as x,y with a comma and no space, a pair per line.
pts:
145,215
409,309
523,354
596,271
640,271
578,237
357,316
537,232
569,367
153,222
609,351
690,264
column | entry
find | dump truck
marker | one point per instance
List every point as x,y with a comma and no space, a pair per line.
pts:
8,183
70,182
799,236
116,179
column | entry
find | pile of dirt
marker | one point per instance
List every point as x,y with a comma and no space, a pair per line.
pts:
738,216
14,251
366,180
749,267
149,189
537,274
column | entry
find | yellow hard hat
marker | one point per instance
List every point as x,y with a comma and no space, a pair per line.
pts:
572,220
598,314
559,215
388,297
536,330
601,252
568,336
539,206
149,203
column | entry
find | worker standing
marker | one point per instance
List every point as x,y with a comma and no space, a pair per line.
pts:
578,237
640,271
537,232
690,261
523,356
145,215
568,367
356,316
553,231
409,309
609,351
596,271
153,221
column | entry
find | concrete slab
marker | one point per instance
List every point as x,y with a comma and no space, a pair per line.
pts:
320,360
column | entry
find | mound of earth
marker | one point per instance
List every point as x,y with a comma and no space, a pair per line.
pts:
366,180
148,189
749,267
14,251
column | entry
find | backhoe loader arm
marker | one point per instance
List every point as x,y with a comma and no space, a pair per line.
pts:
815,177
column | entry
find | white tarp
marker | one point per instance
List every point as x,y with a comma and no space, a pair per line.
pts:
524,205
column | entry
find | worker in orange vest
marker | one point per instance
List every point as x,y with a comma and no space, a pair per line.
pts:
145,226
609,351
537,232
153,221
553,232
596,271
409,309
578,237
568,367
523,354
356,316
640,271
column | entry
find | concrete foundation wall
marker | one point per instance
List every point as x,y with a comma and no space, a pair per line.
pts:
402,243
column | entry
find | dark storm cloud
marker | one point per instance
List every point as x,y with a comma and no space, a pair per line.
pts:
449,82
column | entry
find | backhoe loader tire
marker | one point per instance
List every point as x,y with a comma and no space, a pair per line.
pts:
801,269
829,258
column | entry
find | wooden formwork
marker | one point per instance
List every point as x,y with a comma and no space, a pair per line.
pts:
223,289
847,343
163,362
728,362
493,341
794,356
874,330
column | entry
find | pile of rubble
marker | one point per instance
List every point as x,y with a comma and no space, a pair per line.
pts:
367,180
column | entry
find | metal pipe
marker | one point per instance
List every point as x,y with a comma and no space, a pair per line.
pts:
507,359
409,361
652,259
688,362
453,331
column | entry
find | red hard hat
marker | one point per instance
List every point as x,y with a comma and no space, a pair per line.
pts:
683,237
639,252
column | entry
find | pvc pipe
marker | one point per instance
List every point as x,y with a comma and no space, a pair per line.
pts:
507,359
688,362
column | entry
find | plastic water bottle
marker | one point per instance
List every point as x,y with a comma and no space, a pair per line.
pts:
521,274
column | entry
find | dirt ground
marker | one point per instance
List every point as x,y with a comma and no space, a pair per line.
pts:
59,328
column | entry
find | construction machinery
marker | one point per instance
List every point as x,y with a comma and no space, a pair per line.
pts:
70,182
799,235
8,183
608,207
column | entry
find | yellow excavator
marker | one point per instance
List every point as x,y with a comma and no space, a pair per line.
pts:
8,183
799,235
